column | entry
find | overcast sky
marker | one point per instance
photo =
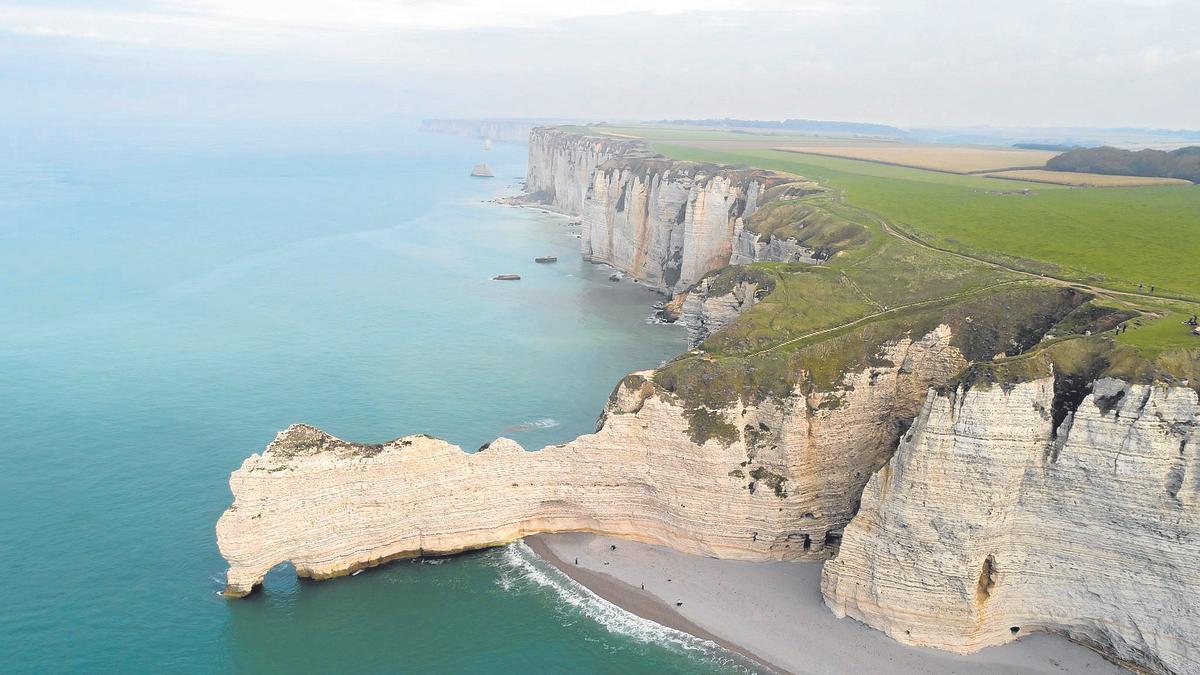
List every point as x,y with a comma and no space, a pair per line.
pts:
910,63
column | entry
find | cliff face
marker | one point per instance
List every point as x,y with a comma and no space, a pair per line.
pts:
782,486
749,247
708,307
561,164
1004,512
667,223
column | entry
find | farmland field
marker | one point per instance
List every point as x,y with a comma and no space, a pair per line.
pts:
834,314
1084,179
951,158
1115,238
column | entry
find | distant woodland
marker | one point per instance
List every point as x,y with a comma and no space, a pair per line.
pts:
1182,163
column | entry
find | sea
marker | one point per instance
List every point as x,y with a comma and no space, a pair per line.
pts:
164,311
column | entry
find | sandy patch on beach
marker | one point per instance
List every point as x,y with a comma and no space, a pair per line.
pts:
773,612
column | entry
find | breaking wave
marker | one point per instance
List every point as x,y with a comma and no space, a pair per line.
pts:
521,569
543,423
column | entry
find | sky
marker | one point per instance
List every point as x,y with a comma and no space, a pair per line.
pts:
362,64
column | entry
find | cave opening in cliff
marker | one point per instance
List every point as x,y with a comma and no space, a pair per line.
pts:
281,577
987,580
832,539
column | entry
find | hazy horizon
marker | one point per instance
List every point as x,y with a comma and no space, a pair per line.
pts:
283,69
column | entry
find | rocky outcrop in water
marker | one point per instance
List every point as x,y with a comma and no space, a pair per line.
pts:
757,480
1013,509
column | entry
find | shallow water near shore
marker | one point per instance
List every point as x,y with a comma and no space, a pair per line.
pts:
167,313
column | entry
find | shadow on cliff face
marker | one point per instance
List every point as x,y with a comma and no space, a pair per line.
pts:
1069,392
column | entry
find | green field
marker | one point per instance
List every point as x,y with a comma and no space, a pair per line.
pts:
677,134
827,319
1111,237
1162,334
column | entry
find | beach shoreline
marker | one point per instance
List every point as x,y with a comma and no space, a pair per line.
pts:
638,601
772,614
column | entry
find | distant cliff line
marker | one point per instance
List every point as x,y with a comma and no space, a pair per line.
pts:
665,222
508,130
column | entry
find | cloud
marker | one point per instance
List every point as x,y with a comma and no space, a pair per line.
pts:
915,62
263,24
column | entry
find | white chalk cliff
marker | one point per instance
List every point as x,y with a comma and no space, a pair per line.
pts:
782,487
1002,510
704,311
989,522
666,223
561,164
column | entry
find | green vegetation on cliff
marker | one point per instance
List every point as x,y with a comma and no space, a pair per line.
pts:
1111,237
1030,279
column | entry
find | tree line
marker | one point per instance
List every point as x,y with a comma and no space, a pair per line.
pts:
1182,163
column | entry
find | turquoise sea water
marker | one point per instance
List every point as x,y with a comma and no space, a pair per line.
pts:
165,313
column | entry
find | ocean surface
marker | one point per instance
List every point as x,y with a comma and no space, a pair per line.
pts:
166,312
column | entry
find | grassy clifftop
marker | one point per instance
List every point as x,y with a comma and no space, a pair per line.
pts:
909,249
1111,237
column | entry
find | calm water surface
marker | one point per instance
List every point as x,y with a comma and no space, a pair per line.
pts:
165,313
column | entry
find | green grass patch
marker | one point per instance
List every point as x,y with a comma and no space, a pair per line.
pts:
806,298
1154,336
1111,237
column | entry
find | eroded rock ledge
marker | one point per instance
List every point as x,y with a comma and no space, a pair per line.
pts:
997,517
780,485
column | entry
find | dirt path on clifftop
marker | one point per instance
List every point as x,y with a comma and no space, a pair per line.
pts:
875,315
895,232
1098,290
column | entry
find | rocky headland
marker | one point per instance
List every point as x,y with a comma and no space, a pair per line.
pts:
969,450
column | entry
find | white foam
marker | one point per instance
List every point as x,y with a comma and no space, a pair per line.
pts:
543,423
518,563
